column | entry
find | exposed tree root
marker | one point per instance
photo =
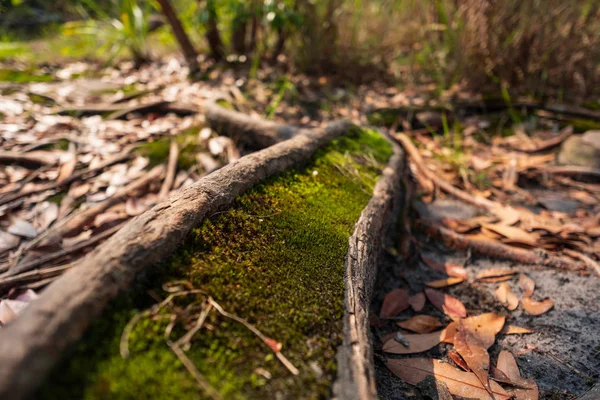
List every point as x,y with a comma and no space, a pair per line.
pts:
356,375
36,340
494,249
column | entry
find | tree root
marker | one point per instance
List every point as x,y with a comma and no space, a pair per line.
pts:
494,249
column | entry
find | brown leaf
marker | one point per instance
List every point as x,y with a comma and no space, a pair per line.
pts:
417,343
9,241
68,163
133,207
9,309
463,384
450,332
514,330
496,279
495,273
449,305
513,233
473,337
458,360
22,228
421,324
447,268
527,389
527,285
506,297
444,282
417,301
536,307
394,303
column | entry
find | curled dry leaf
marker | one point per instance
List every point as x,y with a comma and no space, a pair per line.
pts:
460,383
525,389
449,305
473,337
67,164
536,307
447,268
458,360
421,324
506,297
450,332
394,303
515,330
444,282
417,301
513,233
495,273
527,285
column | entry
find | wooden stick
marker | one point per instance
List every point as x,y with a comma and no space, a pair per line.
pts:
593,265
495,250
31,344
171,169
27,159
550,143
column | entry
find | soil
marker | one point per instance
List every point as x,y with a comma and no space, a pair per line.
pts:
563,353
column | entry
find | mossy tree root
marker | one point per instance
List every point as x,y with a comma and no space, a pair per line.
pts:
34,342
356,374
251,133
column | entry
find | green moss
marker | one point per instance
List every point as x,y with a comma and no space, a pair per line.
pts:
276,259
582,125
158,151
16,76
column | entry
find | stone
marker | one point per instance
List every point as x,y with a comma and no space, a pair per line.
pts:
583,150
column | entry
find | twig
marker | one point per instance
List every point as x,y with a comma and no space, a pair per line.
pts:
286,363
550,143
495,249
572,170
27,160
19,268
171,169
189,365
184,341
32,276
585,259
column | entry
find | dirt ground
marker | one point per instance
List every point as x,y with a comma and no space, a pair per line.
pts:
563,353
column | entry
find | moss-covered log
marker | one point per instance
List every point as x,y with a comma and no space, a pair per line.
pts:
276,258
35,341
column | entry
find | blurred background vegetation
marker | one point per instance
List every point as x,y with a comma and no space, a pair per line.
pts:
542,48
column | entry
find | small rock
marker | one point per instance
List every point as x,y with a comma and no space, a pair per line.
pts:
583,150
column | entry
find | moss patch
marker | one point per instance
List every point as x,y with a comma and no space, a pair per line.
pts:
276,259
16,76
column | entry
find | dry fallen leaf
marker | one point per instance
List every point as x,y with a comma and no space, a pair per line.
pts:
496,279
421,324
458,360
514,330
450,332
133,207
9,309
474,335
417,343
417,301
513,233
495,273
22,228
536,307
463,384
9,241
527,285
444,282
447,304
67,163
527,389
506,297
394,303
447,268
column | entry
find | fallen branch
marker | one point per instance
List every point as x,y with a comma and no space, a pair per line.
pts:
550,143
171,169
572,170
593,265
34,342
253,133
495,250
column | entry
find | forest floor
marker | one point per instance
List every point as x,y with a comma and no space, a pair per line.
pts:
118,140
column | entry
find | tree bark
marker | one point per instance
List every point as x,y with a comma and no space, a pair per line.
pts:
191,57
35,341
356,374
213,37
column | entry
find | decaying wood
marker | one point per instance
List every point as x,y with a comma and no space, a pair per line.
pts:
495,249
356,375
34,342
250,132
